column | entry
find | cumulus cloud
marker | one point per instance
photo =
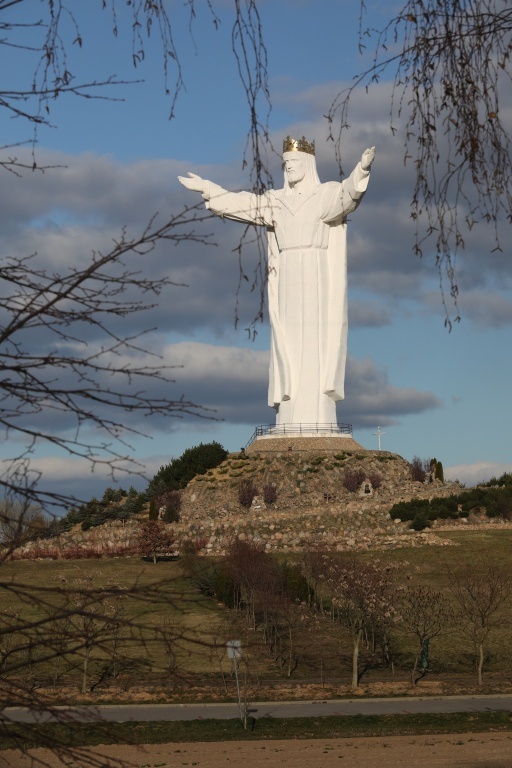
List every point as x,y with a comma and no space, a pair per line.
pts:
228,383
487,310
81,479
367,315
477,472
234,381
370,398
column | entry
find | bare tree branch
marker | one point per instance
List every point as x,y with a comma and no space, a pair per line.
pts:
450,65
89,384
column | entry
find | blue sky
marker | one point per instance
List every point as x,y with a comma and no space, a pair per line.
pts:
433,393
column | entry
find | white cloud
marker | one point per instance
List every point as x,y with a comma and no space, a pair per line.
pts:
477,472
367,315
370,398
487,310
81,479
63,468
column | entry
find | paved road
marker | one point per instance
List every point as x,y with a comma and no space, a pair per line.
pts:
342,707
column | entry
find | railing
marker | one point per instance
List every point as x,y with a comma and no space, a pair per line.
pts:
277,430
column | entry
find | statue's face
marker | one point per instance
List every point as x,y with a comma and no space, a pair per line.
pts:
294,166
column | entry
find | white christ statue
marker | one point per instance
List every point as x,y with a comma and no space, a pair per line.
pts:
307,277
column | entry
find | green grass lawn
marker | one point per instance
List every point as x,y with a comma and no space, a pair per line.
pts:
152,598
32,736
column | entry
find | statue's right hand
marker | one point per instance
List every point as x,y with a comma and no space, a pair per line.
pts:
195,182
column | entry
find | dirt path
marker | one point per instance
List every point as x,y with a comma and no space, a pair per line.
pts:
475,750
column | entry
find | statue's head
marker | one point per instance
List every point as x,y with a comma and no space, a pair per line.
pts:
294,164
299,163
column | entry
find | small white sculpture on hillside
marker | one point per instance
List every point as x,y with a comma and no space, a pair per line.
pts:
307,277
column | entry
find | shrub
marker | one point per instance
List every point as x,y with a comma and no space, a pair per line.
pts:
375,480
499,503
408,510
505,479
246,492
444,508
269,493
420,522
353,478
214,580
192,547
75,552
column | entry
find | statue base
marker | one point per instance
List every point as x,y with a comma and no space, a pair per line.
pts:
273,438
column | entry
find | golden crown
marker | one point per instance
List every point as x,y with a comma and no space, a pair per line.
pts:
298,145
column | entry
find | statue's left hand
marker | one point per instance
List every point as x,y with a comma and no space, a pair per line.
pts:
367,158
195,182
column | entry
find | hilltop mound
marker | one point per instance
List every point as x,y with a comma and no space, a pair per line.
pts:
312,501
312,495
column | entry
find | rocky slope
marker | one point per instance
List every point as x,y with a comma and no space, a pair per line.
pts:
312,504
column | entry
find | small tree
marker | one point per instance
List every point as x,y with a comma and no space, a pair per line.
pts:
153,538
417,469
436,468
20,522
90,617
171,503
362,597
113,495
483,591
250,569
153,510
424,613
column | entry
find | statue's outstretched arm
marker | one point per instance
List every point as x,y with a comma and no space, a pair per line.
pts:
367,158
194,183
351,190
238,206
